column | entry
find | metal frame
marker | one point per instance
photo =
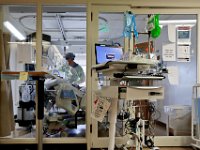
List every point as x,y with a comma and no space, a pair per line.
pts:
195,119
61,27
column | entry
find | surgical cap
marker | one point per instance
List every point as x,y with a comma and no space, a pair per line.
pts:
69,55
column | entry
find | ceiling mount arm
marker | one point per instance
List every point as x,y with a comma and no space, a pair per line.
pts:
61,27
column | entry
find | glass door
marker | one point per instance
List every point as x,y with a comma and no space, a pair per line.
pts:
18,103
176,50
64,57
63,35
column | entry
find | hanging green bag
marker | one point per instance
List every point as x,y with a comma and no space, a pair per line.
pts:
157,30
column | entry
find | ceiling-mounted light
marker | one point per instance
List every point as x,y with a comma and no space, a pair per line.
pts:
163,22
14,31
67,46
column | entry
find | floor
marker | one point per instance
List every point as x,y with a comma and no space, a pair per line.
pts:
163,148
45,147
175,148
72,146
160,130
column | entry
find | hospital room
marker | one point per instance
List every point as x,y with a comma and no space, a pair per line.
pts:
98,77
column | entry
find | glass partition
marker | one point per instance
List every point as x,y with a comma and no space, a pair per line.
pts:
18,119
64,56
178,55
175,49
110,32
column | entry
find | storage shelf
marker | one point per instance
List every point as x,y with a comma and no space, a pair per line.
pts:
132,92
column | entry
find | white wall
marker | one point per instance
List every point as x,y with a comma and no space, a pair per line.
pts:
180,94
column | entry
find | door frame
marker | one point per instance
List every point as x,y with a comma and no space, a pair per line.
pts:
102,142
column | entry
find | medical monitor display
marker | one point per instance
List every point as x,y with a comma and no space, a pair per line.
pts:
184,34
105,53
68,94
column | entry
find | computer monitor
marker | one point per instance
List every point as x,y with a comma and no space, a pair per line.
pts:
29,67
105,53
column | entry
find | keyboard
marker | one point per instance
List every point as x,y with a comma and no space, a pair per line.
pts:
139,76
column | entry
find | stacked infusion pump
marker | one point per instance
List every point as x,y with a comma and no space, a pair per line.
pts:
26,109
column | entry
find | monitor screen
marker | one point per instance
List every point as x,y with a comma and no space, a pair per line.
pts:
105,53
68,94
184,34
29,67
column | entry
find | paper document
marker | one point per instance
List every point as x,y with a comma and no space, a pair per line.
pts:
183,53
169,52
100,108
23,76
173,75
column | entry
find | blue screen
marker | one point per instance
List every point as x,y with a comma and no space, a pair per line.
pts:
105,53
69,94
